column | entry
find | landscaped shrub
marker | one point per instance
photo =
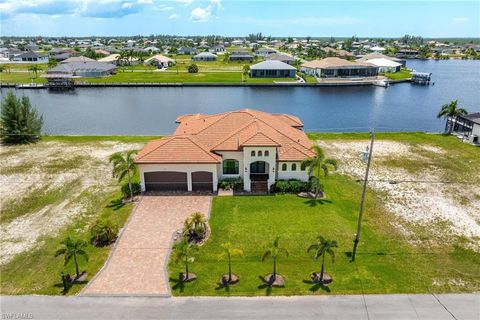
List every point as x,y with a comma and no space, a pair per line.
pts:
291,186
135,188
193,68
231,184
103,232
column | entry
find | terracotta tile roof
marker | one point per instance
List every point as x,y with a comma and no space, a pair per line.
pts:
176,149
294,154
229,131
334,62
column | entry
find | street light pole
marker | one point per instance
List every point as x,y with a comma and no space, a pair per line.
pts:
365,181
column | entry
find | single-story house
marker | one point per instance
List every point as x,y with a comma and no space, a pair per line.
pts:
31,57
385,65
272,69
467,126
407,53
281,57
377,55
187,50
160,61
240,56
61,56
257,147
205,56
334,67
88,69
263,52
217,50
151,49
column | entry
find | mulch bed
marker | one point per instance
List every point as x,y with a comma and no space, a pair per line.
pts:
327,279
279,280
191,276
224,280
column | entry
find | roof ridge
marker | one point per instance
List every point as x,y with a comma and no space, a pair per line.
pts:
234,132
189,137
280,131
165,138
263,134
295,147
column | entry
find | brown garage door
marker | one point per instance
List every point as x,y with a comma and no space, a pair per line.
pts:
202,181
165,180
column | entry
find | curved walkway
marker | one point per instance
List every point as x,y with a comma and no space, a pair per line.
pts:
138,263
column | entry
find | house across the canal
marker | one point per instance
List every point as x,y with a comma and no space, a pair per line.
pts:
257,147
334,67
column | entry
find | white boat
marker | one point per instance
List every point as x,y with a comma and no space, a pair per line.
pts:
381,83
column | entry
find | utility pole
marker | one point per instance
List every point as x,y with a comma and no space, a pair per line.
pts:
365,181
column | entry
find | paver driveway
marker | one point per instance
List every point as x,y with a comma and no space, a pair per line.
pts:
137,264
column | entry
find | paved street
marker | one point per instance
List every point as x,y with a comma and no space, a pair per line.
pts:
357,307
137,263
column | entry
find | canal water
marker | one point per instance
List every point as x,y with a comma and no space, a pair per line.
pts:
152,111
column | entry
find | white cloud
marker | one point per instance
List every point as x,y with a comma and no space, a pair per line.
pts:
185,2
174,16
461,20
204,14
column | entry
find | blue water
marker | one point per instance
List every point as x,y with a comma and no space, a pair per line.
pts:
150,111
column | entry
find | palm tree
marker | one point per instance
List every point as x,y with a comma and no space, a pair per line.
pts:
52,63
123,166
274,252
228,252
451,111
317,164
183,251
246,70
72,248
195,226
297,63
320,248
34,68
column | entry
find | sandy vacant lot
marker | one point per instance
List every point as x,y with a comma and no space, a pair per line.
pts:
417,184
45,186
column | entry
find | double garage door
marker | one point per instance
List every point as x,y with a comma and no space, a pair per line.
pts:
177,181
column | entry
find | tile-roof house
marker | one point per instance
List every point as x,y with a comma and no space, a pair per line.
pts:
256,146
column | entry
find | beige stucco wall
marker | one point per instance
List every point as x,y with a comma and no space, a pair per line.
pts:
289,174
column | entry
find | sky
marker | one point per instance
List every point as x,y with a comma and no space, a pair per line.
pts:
280,18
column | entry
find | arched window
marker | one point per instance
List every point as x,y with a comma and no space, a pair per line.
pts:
266,153
284,167
252,153
259,153
294,167
230,166
303,167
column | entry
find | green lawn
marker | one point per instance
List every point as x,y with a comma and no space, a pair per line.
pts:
385,263
400,75
181,77
20,77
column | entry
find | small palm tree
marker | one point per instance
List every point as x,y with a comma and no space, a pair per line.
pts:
195,226
72,248
451,111
34,68
183,251
318,164
274,252
124,166
246,70
228,252
320,248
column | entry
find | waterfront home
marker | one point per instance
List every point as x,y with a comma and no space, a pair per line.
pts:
160,61
217,50
263,52
377,55
90,69
205,56
257,147
30,57
385,65
187,50
240,56
467,127
281,57
407,53
334,67
272,69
